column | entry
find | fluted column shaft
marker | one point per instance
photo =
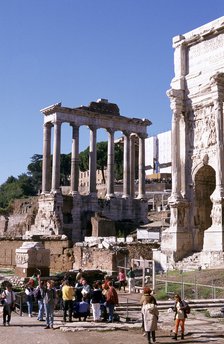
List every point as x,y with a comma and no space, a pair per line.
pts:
46,166
141,167
177,107
132,165
75,160
218,106
56,157
175,153
126,173
92,160
110,164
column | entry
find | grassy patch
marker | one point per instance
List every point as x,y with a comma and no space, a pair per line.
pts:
7,271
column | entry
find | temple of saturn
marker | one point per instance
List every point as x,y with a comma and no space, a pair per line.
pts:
197,199
78,208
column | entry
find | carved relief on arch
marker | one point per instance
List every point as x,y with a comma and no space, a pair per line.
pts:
204,131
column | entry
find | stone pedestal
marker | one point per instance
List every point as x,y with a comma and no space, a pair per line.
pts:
30,257
49,219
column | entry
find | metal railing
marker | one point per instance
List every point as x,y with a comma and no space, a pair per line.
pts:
192,290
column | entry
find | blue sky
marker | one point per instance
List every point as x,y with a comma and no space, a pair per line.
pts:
76,51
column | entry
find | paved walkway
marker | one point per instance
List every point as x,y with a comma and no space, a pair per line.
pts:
199,329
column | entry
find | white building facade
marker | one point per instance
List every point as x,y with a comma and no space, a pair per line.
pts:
158,155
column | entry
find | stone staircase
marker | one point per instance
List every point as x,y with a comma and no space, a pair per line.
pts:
190,263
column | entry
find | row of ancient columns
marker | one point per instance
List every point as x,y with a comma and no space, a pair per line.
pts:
51,181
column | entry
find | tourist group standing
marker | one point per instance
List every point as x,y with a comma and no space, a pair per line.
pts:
75,297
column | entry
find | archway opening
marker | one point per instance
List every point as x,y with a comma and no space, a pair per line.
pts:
204,186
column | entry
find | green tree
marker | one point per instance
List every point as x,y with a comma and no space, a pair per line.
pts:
118,161
102,159
65,169
34,170
16,188
84,160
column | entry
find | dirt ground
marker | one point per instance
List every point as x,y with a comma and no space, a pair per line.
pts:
37,335
28,330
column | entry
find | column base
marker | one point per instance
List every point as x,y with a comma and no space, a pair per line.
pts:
213,239
176,242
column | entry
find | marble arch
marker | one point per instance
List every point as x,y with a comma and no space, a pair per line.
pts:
99,114
196,98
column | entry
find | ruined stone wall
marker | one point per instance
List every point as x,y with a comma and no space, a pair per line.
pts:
7,252
86,257
64,257
89,258
61,253
140,250
21,218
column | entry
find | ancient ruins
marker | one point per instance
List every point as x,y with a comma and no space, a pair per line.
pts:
80,209
61,222
197,96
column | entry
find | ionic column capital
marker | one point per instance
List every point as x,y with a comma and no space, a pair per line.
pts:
127,133
142,136
74,126
93,127
57,122
47,125
110,131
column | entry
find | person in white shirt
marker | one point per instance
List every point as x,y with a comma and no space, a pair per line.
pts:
8,299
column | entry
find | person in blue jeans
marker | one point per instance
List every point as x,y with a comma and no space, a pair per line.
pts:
29,291
39,295
111,301
49,301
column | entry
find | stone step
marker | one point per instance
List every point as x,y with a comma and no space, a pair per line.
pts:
164,305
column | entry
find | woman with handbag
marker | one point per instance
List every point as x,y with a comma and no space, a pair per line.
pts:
8,298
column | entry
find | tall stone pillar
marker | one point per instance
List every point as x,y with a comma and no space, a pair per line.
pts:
141,167
75,160
110,164
126,173
46,167
214,236
132,165
177,239
92,160
56,157
176,98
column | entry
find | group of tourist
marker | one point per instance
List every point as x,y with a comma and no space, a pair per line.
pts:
77,298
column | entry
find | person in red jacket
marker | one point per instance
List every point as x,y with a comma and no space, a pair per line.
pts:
111,301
